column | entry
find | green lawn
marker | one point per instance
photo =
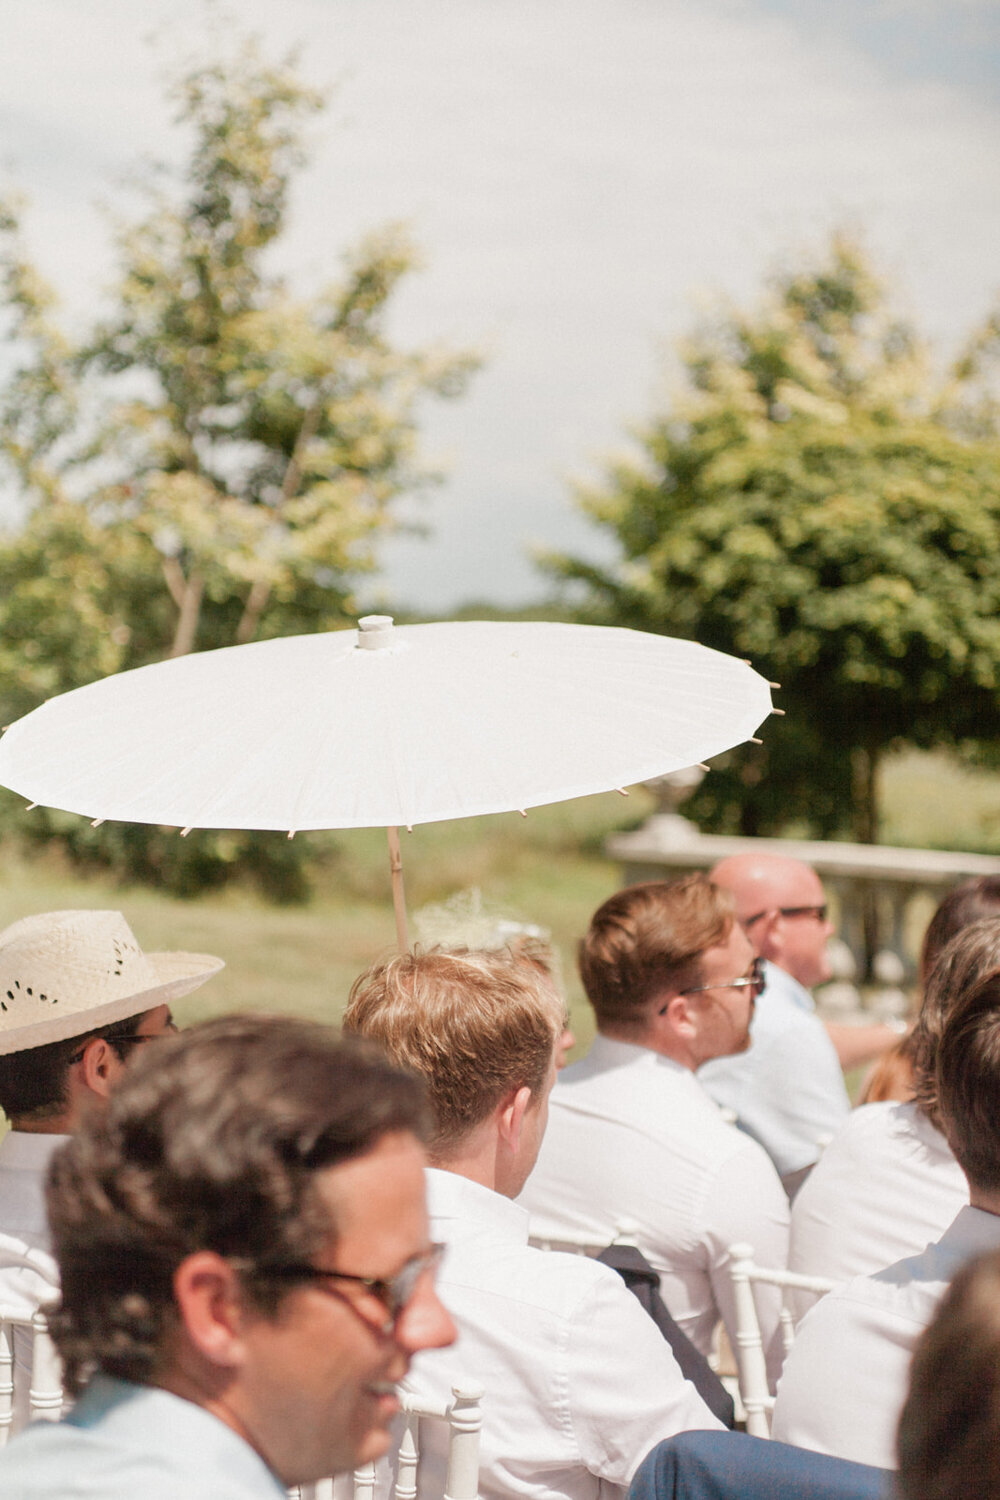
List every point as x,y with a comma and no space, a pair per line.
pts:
547,868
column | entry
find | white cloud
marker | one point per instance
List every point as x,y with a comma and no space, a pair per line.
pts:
575,171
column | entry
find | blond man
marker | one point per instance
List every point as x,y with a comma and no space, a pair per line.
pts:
579,1383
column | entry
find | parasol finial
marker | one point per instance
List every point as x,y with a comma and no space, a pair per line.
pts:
375,632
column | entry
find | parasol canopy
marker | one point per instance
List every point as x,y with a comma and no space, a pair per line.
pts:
383,726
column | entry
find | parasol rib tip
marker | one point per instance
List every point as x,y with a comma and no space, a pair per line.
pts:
779,711
702,766
291,833
31,807
409,827
96,822
185,832
755,741
522,812
775,685
622,791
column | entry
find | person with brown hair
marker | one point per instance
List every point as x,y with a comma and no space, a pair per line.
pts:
889,1183
949,1431
633,1138
845,1378
246,1270
579,1382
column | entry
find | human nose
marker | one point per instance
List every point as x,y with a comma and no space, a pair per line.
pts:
425,1322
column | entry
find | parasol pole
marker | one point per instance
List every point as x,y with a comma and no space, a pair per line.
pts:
398,896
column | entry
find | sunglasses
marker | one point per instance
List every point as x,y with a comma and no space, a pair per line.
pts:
819,912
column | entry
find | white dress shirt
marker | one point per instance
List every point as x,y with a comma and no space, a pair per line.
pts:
28,1274
134,1442
579,1382
633,1139
787,1090
847,1375
885,1187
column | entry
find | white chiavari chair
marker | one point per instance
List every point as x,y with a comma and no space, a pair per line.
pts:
30,1374
745,1274
464,1418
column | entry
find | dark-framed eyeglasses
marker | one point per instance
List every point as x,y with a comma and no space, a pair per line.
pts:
755,980
819,912
394,1292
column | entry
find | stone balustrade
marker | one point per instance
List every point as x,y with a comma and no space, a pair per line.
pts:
882,896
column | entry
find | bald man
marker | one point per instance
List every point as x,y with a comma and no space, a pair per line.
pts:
788,1090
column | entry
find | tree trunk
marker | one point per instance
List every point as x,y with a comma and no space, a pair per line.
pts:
260,592
188,614
864,820
256,603
864,794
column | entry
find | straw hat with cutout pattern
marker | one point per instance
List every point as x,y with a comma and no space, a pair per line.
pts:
63,973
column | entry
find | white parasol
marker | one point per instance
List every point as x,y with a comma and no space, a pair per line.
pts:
384,726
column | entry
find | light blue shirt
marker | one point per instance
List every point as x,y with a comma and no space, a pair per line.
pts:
787,1090
134,1442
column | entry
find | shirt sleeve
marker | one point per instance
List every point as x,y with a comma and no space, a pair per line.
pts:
625,1388
746,1203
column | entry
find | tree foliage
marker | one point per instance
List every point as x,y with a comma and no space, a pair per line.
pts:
215,458
818,502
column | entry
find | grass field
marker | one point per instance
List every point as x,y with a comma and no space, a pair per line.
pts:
547,868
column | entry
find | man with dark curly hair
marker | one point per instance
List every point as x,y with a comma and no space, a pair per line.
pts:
246,1272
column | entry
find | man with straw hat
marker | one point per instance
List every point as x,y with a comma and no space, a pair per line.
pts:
77,996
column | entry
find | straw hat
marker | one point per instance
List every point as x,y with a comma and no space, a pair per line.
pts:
66,972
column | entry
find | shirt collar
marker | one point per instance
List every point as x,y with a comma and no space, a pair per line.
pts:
158,1421
461,1201
612,1052
779,979
972,1230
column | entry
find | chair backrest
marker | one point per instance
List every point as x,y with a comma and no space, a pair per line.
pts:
30,1374
464,1416
745,1274
625,1232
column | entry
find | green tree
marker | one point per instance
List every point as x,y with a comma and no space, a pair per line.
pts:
216,458
816,501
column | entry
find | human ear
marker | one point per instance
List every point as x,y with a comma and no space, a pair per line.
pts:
209,1301
512,1110
680,1016
101,1065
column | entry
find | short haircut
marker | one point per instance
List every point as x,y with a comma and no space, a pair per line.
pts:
647,939
474,1025
968,1075
949,1430
971,955
211,1141
973,901
34,1082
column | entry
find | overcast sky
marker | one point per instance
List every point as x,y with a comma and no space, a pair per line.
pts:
580,174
